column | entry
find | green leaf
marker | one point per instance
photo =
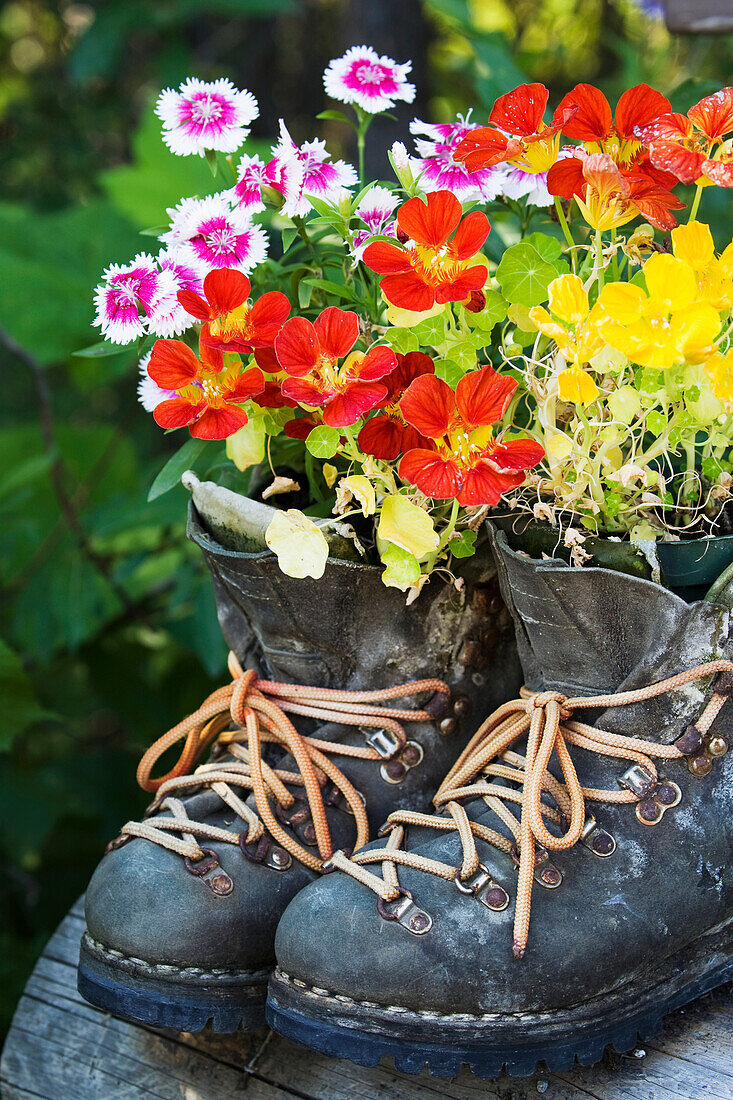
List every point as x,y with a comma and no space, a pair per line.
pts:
155,230
524,275
212,161
463,355
176,465
338,116
462,544
402,569
431,331
549,248
323,442
100,350
403,340
331,288
305,293
450,372
289,234
20,706
493,312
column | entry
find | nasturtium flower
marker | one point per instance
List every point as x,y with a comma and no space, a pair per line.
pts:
363,78
664,324
465,461
149,393
207,233
439,171
607,197
694,244
614,134
208,391
435,265
572,325
201,116
230,323
387,434
517,133
693,147
719,369
309,353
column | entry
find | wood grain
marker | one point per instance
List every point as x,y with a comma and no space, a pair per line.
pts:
60,1048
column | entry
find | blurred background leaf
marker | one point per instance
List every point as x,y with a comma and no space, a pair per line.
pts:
108,628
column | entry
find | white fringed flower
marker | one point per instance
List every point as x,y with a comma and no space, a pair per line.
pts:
371,82
201,116
207,233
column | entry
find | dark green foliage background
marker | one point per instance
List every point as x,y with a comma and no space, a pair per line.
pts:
108,632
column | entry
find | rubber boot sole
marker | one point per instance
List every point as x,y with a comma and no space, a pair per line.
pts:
364,1032
179,998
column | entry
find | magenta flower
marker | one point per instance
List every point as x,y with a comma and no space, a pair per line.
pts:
367,80
168,317
321,176
207,234
128,297
437,169
375,210
282,173
201,116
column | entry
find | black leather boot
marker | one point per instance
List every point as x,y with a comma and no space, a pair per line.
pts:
182,911
575,884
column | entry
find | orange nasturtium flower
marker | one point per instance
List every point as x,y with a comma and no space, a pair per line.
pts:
231,324
517,133
209,390
693,146
435,265
465,461
607,197
573,326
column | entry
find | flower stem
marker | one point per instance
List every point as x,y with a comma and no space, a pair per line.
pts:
695,204
449,527
564,223
364,120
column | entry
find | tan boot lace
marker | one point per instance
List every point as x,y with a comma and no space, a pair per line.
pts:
257,708
546,720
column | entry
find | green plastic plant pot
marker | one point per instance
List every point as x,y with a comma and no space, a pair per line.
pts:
695,563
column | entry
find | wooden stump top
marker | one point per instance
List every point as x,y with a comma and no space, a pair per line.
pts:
60,1048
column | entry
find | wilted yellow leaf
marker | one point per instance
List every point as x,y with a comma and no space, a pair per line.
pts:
407,525
300,546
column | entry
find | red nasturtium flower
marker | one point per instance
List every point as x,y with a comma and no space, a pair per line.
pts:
230,323
209,391
601,132
435,264
517,133
609,197
466,462
692,146
309,354
387,434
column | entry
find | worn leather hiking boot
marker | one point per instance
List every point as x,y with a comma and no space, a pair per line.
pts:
359,706
574,884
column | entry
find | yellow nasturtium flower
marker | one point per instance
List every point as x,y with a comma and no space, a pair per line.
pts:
664,325
719,369
693,243
573,325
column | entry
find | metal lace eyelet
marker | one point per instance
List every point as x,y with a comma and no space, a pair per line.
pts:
404,910
204,868
665,796
482,886
265,852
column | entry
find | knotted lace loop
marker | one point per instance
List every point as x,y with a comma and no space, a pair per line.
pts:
257,709
545,719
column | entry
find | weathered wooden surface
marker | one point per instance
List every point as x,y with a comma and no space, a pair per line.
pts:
60,1048
699,16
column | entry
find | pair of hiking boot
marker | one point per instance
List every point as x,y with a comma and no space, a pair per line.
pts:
569,886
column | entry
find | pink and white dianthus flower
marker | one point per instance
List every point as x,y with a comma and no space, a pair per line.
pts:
168,317
284,173
128,297
437,169
516,184
375,211
201,116
363,78
321,176
207,233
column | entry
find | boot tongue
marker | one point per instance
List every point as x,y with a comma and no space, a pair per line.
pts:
591,631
